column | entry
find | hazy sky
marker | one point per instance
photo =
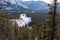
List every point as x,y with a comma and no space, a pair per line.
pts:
30,0
48,1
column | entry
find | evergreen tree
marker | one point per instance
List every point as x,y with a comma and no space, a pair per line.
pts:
52,20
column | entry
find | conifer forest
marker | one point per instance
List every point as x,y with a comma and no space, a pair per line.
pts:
19,22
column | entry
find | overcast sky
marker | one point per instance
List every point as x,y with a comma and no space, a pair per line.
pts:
48,1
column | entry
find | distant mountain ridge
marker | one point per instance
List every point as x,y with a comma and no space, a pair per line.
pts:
32,5
36,5
13,7
28,6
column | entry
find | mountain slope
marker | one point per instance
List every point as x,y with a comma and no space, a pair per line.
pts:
37,5
12,7
33,5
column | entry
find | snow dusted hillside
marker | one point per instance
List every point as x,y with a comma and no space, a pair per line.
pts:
16,2
33,5
37,5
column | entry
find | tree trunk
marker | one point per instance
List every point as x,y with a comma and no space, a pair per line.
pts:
54,18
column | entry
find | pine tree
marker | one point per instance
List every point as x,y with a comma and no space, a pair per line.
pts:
37,30
52,20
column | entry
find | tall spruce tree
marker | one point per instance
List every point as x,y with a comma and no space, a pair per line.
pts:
51,25
54,19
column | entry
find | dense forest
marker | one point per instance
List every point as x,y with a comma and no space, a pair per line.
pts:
49,29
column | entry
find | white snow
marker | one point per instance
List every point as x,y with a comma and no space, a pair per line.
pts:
23,20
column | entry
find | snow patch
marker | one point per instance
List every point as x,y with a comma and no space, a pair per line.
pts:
23,20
